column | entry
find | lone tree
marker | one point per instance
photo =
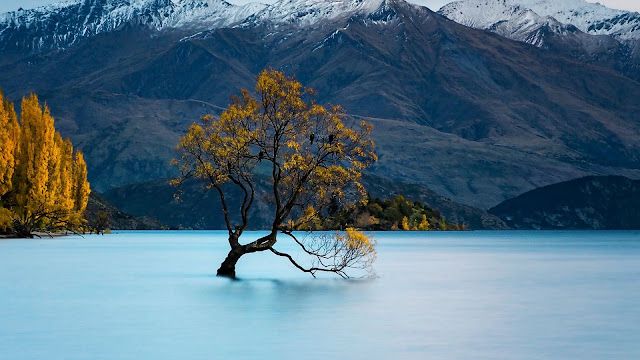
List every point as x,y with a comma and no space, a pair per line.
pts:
312,156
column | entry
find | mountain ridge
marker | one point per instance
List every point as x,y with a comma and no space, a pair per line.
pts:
61,25
591,18
588,32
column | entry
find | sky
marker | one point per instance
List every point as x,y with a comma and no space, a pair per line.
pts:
9,5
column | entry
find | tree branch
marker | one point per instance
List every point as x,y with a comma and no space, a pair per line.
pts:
312,270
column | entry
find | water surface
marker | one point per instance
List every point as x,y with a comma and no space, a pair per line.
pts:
476,295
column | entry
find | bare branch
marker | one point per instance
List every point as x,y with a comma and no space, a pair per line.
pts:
312,270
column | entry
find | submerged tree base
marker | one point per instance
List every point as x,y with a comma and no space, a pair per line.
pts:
228,266
231,274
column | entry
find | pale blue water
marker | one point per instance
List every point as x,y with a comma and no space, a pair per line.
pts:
480,295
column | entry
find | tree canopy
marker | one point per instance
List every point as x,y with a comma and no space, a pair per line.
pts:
43,184
313,157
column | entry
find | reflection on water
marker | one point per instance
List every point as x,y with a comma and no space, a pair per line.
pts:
480,295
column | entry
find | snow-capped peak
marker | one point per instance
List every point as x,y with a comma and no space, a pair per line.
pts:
62,24
591,18
155,13
309,12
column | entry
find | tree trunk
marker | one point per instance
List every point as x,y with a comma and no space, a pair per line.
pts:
22,230
228,266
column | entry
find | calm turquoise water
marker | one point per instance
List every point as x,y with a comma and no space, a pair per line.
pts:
480,295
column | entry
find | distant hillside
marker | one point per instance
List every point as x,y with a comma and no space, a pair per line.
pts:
593,202
199,209
117,219
453,212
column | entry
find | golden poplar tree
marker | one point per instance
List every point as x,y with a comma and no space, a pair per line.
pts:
54,181
424,224
66,196
405,224
81,188
48,191
9,137
36,147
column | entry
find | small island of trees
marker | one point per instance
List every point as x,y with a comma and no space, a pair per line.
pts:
43,182
375,214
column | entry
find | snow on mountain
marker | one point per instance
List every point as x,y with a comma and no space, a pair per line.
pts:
63,24
527,26
591,18
305,13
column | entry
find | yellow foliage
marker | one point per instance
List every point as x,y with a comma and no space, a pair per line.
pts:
49,188
310,152
54,183
81,188
424,224
36,143
313,154
405,224
65,196
358,241
6,219
9,137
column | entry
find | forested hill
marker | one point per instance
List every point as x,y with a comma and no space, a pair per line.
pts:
594,202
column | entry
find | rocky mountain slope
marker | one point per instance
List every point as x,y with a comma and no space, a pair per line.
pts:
116,219
593,203
65,24
474,116
589,32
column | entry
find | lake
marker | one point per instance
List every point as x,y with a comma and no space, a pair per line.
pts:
472,295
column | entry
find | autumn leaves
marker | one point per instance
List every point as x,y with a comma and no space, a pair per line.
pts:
43,183
313,156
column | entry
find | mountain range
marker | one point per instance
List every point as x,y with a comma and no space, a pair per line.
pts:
475,116
588,32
